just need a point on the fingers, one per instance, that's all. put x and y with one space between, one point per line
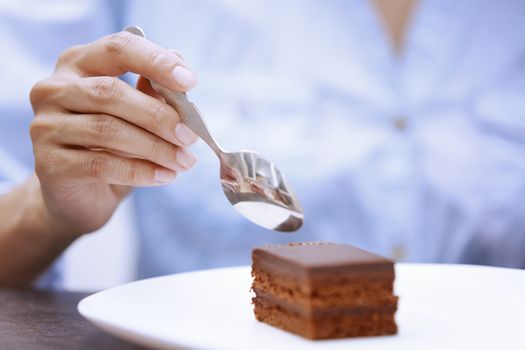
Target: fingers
125 52
105 132
105 167
92 125
114 134
107 95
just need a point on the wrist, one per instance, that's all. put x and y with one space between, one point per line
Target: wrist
29 239
37 216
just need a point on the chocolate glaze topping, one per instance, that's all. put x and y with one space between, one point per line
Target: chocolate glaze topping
316 256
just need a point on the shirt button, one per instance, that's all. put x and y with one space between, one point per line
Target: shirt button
400 123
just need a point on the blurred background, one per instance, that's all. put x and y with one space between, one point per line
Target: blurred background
400 124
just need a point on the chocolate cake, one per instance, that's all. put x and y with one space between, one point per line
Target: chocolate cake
324 290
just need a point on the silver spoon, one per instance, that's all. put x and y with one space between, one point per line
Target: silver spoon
252 184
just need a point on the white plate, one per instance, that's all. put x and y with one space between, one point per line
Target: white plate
441 307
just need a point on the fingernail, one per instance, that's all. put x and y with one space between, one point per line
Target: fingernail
164 175
183 77
185 158
184 134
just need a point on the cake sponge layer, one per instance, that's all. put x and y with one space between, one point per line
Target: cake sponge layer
364 323
342 292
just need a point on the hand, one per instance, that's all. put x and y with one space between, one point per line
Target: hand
95 137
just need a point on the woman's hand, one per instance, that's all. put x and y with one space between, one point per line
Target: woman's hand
95 137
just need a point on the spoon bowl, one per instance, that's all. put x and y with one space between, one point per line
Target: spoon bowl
259 192
252 184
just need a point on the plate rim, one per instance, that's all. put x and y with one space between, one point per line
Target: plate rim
137 337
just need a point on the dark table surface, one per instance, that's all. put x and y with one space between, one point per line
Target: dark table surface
34 320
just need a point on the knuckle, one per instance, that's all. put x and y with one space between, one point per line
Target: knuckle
117 44
36 129
69 56
40 128
163 59
96 166
40 92
104 127
106 90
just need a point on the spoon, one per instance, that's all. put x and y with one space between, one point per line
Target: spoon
252 184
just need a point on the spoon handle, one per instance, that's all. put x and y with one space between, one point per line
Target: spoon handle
189 114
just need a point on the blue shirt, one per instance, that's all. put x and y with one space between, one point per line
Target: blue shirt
418 157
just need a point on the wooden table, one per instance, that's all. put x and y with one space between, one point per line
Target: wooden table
34 320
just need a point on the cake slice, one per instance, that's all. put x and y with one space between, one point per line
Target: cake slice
323 290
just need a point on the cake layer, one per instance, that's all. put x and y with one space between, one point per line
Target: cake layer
324 256
322 263
318 311
342 292
329 326
349 296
